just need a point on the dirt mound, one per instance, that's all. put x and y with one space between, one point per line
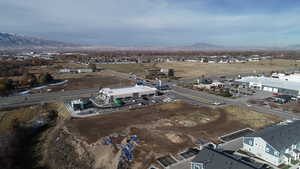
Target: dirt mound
64 152
174 138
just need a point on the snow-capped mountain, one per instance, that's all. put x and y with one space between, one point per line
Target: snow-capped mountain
11 40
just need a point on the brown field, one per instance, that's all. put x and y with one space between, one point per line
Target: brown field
291 107
169 128
92 80
138 69
193 70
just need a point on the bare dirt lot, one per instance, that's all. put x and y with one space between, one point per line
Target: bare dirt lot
168 128
194 69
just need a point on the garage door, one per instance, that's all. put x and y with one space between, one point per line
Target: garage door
268 89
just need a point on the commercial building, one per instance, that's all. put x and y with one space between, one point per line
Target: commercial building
110 95
278 144
84 70
290 78
79 104
274 85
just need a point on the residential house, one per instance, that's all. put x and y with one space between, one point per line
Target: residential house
278 144
214 159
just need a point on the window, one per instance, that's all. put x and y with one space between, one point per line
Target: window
249 141
267 149
196 165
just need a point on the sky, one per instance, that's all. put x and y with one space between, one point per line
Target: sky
155 22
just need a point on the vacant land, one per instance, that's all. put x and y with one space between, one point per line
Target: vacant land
194 70
92 80
168 128
26 114
138 69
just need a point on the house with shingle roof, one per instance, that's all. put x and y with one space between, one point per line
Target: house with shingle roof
277 144
209 158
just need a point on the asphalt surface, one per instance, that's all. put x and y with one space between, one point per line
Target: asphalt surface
31 99
209 100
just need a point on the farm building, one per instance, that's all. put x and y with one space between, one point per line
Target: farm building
272 85
278 144
109 95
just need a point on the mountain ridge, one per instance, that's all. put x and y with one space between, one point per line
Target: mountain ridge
12 40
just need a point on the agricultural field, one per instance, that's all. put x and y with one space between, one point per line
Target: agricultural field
194 69
166 128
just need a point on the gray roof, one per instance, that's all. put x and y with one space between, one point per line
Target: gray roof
213 159
271 82
282 135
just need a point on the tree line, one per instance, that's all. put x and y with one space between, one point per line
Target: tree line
28 80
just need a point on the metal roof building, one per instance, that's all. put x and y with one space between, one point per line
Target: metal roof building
272 85
127 92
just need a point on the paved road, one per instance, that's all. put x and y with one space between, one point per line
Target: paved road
209 99
25 100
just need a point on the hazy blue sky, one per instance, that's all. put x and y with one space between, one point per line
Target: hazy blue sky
155 22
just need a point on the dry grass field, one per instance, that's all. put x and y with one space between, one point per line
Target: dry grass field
26 114
91 80
136 68
194 69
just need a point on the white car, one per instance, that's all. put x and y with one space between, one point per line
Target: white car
218 103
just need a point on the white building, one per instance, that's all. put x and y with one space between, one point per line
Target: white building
274 85
290 78
64 70
79 104
109 95
84 70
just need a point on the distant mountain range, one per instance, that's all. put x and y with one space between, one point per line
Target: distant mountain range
10 40
203 46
